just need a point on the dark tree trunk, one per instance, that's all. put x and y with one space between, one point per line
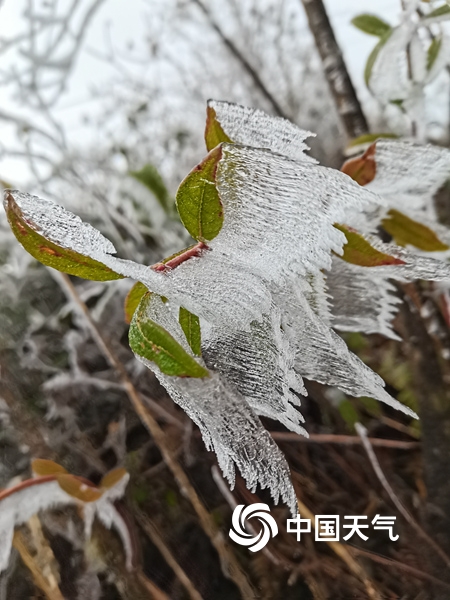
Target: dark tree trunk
344 94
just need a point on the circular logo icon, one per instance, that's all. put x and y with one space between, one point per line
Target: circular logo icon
255 541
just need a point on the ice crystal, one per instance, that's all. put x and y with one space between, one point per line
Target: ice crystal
253 127
363 299
228 424
61 226
408 174
260 364
270 288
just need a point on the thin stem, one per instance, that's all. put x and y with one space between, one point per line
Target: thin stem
346 440
259 84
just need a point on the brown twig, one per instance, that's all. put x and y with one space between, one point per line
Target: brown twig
362 432
345 555
151 530
230 566
346 440
383 560
48 587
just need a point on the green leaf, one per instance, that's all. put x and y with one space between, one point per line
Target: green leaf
374 55
371 24
440 11
150 177
358 251
369 138
154 343
190 324
198 200
370 404
433 51
214 134
132 300
348 412
50 254
407 231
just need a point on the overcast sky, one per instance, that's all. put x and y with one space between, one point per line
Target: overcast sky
124 21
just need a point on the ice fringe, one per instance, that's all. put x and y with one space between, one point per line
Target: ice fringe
266 307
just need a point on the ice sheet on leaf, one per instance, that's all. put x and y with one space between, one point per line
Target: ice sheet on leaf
389 77
253 127
279 214
416 266
408 174
61 226
322 356
228 425
363 299
218 287
214 286
259 364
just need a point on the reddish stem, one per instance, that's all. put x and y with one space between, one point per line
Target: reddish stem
196 250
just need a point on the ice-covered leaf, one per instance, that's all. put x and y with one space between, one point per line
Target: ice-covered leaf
150 340
57 238
214 134
370 138
19 503
321 355
132 300
150 177
359 251
190 324
371 24
231 429
198 201
440 11
253 127
112 478
362 169
226 421
406 231
389 76
374 55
